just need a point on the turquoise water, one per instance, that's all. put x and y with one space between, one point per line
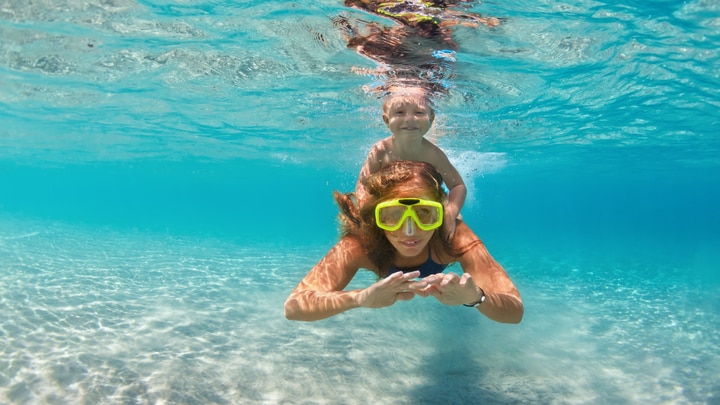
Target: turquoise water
166 172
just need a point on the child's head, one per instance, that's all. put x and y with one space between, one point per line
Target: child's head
408 113
416 96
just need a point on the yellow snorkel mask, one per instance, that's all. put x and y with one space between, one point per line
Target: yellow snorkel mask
427 214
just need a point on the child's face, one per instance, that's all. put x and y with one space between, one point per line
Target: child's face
408 116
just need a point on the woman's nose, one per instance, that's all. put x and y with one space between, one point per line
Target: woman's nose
409 227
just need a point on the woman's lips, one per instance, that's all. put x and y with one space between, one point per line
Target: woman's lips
410 243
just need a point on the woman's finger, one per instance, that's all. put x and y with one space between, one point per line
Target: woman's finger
405 295
448 279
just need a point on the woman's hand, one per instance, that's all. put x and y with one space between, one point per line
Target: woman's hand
397 286
451 289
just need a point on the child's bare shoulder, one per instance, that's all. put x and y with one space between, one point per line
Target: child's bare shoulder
378 156
382 146
432 151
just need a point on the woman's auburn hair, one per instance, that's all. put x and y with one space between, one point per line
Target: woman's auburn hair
398 179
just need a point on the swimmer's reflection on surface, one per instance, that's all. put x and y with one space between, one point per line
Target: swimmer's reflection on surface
416 51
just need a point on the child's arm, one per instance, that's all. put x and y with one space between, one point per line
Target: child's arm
458 192
373 163
456 199
455 183
360 192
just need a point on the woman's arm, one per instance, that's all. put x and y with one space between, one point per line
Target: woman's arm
502 299
320 294
502 302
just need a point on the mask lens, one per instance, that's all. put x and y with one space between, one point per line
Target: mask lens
426 215
390 216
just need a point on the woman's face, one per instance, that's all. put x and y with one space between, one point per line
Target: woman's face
409 240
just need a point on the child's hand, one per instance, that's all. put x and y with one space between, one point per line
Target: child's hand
448 230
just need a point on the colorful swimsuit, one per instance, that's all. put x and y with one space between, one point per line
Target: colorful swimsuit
410 11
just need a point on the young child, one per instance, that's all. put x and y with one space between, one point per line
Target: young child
408 115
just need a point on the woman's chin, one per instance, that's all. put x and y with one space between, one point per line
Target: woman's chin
410 248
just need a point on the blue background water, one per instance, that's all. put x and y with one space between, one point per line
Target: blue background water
166 174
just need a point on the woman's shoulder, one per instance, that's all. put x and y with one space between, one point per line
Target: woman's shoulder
463 241
463 233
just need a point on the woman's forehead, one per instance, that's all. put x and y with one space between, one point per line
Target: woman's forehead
414 191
